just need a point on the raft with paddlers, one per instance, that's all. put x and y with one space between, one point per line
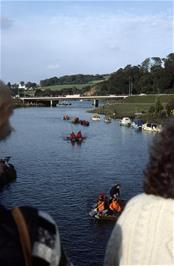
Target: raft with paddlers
76 137
76 120
84 123
108 208
66 117
107 216
7 171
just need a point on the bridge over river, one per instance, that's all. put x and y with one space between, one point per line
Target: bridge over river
53 101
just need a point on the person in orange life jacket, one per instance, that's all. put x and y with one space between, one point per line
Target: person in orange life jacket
72 136
27 236
79 135
102 203
114 205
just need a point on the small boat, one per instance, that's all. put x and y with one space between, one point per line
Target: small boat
107 119
66 117
76 120
84 123
137 124
7 172
106 216
78 137
96 117
152 127
125 121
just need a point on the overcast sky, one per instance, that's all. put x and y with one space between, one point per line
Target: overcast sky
41 39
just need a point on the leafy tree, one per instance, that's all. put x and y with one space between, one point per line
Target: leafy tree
146 65
158 106
31 85
151 109
170 107
9 85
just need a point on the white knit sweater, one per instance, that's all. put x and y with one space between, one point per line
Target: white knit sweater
144 233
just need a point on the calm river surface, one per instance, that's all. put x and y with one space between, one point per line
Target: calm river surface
65 179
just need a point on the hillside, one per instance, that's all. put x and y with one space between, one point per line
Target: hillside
72 80
153 76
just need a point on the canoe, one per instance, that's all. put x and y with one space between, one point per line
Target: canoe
105 217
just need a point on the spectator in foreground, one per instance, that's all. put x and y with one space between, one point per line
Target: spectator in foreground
144 233
28 237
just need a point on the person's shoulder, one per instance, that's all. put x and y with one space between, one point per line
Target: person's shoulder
47 245
136 200
145 200
132 208
144 204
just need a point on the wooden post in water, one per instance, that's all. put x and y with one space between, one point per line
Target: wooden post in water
96 102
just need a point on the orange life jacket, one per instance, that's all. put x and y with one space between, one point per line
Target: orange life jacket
100 206
115 206
72 135
79 135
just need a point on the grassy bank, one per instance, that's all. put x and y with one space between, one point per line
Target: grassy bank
119 110
132 105
70 86
150 99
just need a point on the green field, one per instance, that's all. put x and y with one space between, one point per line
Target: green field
124 109
148 98
68 86
132 105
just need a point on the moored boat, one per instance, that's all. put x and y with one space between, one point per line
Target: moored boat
107 119
137 124
152 127
96 117
125 121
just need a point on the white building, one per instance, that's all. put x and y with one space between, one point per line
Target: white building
20 86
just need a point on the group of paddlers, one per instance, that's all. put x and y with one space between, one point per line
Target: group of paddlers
76 120
76 136
109 206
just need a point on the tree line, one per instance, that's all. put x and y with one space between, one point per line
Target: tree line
154 75
70 79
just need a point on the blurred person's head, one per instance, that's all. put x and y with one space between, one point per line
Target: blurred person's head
159 174
6 110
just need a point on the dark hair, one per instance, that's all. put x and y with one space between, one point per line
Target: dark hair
159 174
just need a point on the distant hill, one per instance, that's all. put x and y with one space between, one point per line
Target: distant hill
73 84
72 79
154 75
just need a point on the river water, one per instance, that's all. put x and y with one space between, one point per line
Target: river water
65 179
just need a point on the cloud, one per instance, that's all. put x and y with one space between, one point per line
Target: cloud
5 23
